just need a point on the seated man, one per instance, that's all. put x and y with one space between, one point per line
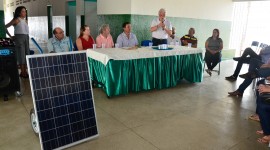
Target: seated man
60 42
127 39
263 56
190 38
256 69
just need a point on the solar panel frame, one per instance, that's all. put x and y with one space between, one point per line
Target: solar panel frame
40 93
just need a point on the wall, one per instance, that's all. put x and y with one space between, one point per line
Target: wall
203 19
247 0
199 9
113 7
115 22
91 18
37 7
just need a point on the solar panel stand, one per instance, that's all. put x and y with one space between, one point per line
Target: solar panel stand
34 122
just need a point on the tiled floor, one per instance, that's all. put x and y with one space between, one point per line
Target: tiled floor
189 116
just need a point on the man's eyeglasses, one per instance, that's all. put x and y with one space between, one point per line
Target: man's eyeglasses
60 32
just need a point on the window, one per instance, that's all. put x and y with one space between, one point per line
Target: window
250 22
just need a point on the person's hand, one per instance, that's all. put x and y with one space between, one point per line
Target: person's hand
265 66
268 78
160 24
212 52
163 26
263 88
133 48
184 42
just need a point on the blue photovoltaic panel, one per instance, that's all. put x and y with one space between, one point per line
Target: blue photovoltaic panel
62 96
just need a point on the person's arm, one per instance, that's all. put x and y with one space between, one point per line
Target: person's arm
155 26
195 44
184 42
94 42
99 41
136 41
111 41
168 27
168 31
79 44
265 66
263 88
50 46
13 22
221 46
265 51
119 41
207 48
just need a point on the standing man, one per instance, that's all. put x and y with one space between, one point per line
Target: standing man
60 42
161 28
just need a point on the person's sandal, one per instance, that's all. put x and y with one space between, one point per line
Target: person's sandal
259 132
264 140
254 118
208 71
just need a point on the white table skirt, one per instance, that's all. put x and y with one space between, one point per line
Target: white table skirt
104 55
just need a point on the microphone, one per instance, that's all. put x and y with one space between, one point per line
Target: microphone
162 22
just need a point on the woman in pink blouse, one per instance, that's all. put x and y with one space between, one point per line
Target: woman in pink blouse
104 37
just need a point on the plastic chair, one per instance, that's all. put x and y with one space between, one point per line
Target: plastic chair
254 46
75 46
36 44
145 42
262 45
218 71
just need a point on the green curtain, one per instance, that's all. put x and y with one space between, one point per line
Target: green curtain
123 76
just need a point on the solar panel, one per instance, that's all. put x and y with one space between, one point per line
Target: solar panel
63 99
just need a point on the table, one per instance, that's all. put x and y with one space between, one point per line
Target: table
122 71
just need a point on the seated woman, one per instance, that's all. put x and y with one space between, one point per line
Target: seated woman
104 37
264 113
213 46
85 40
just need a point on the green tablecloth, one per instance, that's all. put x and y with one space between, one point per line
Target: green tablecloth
123 76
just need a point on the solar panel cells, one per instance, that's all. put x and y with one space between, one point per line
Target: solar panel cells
63 98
